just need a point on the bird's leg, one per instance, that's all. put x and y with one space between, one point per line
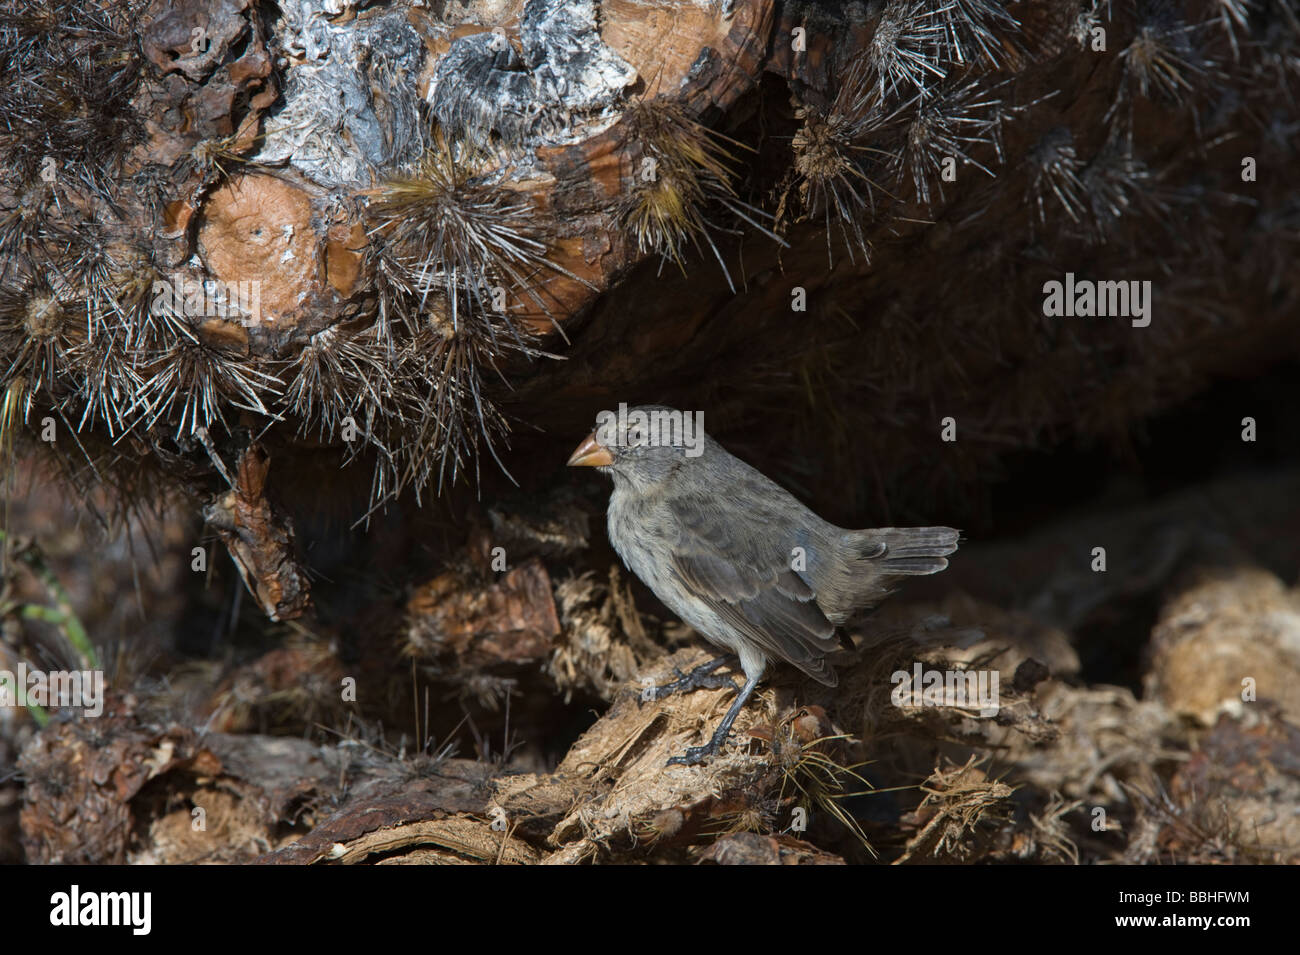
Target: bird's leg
697 754
700 678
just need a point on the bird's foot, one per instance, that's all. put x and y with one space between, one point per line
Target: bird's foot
702 677
696 754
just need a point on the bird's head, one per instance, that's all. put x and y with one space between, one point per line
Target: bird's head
642 446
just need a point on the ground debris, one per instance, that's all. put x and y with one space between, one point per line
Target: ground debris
749 848
961 805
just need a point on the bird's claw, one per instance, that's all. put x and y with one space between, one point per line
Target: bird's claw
687 683
700 678
694 755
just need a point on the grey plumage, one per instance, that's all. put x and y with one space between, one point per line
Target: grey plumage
738 558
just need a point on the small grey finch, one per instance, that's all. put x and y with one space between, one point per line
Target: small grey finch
736 556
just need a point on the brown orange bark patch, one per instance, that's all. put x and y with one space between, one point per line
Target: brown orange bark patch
344 257
258 229
661 40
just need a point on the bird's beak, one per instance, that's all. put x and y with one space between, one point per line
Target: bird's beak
591 454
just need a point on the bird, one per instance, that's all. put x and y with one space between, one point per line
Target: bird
738 557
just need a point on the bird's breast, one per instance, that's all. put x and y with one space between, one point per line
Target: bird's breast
641 533
631 526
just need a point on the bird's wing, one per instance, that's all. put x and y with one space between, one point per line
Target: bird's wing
743 572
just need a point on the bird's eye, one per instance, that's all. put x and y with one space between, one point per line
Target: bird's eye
636 436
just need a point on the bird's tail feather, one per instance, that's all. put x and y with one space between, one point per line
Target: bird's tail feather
909 550
868 560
